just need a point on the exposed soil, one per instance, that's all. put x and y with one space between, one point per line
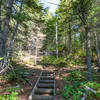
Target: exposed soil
34 73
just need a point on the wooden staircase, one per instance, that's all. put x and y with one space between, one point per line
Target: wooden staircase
44 88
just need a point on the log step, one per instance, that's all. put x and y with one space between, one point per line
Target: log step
46 72
40 97
43 91
48 75
44 88
46 78
40 85
46 81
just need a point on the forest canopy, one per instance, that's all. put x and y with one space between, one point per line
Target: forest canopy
68 39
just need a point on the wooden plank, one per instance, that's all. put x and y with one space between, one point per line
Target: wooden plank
40 85
47 72
46 81
44 88
35 87
39 97
46 78
44 91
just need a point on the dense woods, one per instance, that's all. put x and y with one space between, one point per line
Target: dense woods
67 42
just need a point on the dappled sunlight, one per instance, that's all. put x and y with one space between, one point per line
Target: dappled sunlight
48 45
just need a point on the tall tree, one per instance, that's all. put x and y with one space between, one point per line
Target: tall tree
97 49
6 27
0 29
70 39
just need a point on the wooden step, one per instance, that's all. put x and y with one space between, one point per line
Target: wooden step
40 85
48 72
41 97
44 88
46 78
43 91
46 81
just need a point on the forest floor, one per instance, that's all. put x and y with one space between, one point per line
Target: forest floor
34 72
59 74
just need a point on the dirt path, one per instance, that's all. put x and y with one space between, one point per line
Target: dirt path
60 73
35 72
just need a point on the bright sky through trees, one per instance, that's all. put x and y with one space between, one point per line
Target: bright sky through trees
49 3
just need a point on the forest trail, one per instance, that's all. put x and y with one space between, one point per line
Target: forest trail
36 71
66 42
44 88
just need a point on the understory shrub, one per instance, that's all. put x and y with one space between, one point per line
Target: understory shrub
16 76
11 93
51 60
76 86
72 60
48 59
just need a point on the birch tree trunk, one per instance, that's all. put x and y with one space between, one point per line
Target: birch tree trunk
56 41
36 52
12 40
65 43
97 49
6 26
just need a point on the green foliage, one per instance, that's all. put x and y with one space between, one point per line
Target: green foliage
51 60
93 85
71 60
81 53
16 76
60 62
11 93
1 58
73 91
48 59
78 75
76 85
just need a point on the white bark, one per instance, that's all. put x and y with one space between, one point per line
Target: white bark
12 41
90 89
36 52
97 49
56 40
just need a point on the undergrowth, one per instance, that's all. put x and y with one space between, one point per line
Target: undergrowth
75 86
69 60
16 76
10 93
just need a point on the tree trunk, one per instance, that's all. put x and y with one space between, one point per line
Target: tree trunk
0 15
88 54
56 41
0 32
97 49
74 43
70 39
65 44
6 26
36 52
12 40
